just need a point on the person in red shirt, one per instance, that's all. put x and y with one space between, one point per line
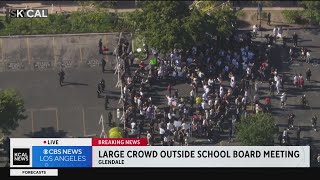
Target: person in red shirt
301 82
268 103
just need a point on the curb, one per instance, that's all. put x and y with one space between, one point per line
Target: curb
55 35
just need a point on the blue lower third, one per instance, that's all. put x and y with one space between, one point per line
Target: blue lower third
62 156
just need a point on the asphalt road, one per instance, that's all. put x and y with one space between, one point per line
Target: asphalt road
74 110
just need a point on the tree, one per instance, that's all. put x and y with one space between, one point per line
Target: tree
224 19
312 10
198 24
115 133
11 110
161 23
256 130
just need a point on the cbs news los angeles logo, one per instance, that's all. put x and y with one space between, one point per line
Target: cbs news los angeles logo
28 13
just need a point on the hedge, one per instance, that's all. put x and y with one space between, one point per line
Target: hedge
294 16
77 22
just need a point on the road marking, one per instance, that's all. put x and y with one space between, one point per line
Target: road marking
32 125
43 109
57 118
1 47
83 123
28 47
54 52
81 59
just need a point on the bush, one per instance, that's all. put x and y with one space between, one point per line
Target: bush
240 14
77 22
293 16
256 130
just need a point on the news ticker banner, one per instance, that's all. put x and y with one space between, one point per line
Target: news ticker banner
109 152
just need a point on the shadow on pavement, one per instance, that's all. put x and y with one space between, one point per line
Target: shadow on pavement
74 83
48 132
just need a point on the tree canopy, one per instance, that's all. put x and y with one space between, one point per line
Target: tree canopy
256 130
11 110
168 24
312 10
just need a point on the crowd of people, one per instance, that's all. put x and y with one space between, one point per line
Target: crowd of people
223 79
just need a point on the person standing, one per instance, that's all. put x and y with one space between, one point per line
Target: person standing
106 102
100 46
169 88
110 119
103 63
308 57
61 77
103 84
308 74
295 39
269 18
298 135
99 90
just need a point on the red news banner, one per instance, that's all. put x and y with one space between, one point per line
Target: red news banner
119 142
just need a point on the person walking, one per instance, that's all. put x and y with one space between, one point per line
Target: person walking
61 77
103 64
290 120
269 18
283 100
314 122
295 39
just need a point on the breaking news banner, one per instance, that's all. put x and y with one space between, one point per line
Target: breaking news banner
134 152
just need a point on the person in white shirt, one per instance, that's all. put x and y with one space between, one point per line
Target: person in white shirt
276 78
283 100
308 57
133 125
254 30
278 84
170 126
221 91
248 70
244 100
295 80
210 81
169 98
204 96
204 105
149 138
275 31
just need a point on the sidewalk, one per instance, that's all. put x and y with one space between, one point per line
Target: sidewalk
55 8
71 8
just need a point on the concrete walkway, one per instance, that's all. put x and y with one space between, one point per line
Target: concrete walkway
56 8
